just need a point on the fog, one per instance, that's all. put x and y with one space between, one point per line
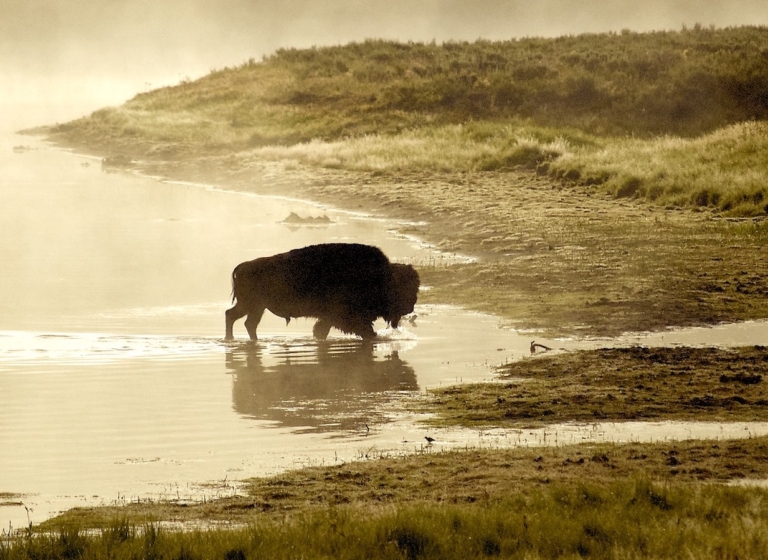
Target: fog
63 58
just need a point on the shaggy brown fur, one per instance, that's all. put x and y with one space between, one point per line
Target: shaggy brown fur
343 285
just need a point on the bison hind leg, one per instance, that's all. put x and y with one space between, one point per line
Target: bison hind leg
252 321
231 316
321 329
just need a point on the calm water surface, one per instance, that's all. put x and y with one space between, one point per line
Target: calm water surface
114 379
116 385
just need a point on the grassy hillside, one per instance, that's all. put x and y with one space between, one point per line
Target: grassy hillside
687 83
637 114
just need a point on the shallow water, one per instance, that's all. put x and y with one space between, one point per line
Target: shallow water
114 378
115 383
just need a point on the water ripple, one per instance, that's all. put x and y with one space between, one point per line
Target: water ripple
18 348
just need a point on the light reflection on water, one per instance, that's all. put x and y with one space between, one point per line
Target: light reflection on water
115 382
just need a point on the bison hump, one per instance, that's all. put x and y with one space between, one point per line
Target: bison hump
346 273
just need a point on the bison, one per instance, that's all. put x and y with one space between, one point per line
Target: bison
343 285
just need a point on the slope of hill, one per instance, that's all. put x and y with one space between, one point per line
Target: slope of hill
586 106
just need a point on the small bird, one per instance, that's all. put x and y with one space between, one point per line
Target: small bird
429 439
535 345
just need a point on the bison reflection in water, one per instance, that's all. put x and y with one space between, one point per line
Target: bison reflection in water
343 285
326 386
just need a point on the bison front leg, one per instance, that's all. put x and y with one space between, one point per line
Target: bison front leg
321 329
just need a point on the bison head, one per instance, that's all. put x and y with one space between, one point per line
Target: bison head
402 293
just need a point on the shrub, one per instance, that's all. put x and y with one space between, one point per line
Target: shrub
629 186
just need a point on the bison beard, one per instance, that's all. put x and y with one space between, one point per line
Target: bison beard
343 285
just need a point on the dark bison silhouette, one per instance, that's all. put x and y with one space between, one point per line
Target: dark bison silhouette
343 285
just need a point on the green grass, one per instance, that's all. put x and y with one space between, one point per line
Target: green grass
632 518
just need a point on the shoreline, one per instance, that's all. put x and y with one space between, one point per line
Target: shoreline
552 258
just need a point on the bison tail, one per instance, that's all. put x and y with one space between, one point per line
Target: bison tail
234 278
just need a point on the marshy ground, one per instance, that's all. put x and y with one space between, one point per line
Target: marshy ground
618 384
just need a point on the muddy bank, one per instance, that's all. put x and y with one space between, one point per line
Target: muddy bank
558 258
619 384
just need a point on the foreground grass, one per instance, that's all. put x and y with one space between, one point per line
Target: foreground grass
627 519
606 500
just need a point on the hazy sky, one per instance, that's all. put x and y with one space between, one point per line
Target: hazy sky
101 52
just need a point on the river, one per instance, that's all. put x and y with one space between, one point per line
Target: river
116 384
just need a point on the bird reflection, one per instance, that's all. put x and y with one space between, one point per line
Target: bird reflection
316 387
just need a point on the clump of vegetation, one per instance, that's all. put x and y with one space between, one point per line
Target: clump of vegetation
448 148
629 518
632 383
723 170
